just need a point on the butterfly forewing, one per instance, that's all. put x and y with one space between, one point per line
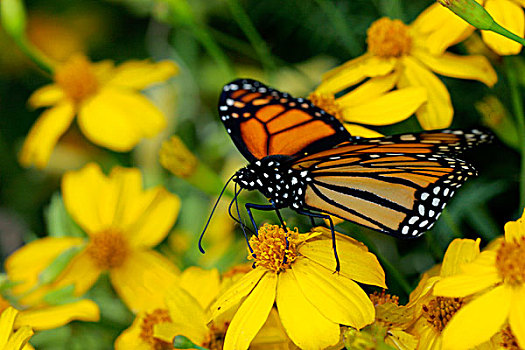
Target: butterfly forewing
262 121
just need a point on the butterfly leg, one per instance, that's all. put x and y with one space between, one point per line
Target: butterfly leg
250 206
332 228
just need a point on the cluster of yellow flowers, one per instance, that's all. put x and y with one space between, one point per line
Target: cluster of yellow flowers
289 296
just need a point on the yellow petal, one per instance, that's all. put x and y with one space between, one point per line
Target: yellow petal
356 263
236 292
82 272
187 315
19 339
272 335
459 252
143 280
511 17
119 119
514 230
440 28
358 130
44 134
387 109
477 276
56 316
338 298
473 67
401 340
46 96
131 339
303 323
7 320
252 314
437 112
203 285
141 74
517 315
354 71
478 321
374 87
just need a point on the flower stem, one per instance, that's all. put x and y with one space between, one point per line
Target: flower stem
34 54
517 105
496 28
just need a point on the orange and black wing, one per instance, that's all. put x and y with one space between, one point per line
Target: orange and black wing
399 188
262 121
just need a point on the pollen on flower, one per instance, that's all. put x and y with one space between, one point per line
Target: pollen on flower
388 38
509 261
326 102
77 78
440 310
383 298
216 336
151 319
108 249
508 340
177 158
271 249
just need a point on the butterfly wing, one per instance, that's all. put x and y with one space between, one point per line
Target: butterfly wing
392 186
262 121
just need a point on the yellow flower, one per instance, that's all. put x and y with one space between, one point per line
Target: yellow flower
398 57
431 313
111 112
296 271
450 29
10 340
123 222
496 282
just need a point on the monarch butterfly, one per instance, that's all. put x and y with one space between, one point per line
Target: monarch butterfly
303 158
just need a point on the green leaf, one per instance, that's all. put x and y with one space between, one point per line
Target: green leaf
58 221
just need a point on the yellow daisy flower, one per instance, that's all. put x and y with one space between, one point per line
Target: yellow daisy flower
111 111
296 271
496 282
451 29
13 340
123 222
398 57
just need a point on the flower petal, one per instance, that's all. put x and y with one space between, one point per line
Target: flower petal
437 112
141 74
144 279
517 315
478 321
440 28
59 315
119 119
358 130
44 134
7 320
354 71
236 292
131 339
203 285
338 298
459 252
252 314
303 323
477 276
511 17
356 262
81 272
19 339
473 67
46 96
387 109
374 87
515 230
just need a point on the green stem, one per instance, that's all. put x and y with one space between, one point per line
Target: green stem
496 28
35 55
517 105
257 42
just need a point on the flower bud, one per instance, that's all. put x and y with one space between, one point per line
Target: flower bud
470 11
13 17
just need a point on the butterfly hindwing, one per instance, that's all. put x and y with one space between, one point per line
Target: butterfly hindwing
262 121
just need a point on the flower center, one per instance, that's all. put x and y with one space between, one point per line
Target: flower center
508 340
440 310
388 38
146 329
4 304
108 249
383 298
510 262
326 102
77 78
273 248
216 337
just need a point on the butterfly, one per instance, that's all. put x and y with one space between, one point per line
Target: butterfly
301 157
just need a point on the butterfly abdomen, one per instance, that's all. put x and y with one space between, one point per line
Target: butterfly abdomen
276 180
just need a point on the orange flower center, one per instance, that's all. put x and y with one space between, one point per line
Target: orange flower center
108 249
440 310
146 329
215 337
273 248
388 38
77 78
510 262
4 304
383 298
326 102
508 340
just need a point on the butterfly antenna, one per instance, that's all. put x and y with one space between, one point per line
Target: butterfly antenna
242 225
212 211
